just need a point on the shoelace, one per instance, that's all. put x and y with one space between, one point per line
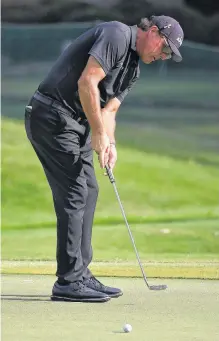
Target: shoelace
80 286
96 282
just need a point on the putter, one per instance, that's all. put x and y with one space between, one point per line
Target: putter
150 287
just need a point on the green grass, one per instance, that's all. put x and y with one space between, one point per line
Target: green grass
185 241
151 186
182 88
167 176
188 310
197 144
188 250
157 269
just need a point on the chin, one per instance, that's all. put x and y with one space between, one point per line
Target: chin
147 60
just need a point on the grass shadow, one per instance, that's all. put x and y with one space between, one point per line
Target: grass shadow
39 298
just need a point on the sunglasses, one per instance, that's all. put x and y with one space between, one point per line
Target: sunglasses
166 49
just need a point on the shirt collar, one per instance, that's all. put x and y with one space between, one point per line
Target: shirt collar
133 36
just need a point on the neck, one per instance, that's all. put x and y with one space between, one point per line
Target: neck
141 36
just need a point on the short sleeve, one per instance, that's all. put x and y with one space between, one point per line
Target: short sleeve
109 47
121 96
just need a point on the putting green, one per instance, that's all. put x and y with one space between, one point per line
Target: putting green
187 310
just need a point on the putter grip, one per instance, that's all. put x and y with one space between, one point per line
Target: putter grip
110 174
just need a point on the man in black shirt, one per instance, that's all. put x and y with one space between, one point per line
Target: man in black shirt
73 113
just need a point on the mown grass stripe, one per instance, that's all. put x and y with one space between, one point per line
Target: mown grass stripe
117 221
193 270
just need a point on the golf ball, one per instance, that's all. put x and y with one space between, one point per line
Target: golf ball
127 328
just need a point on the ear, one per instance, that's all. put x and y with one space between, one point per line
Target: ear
154 29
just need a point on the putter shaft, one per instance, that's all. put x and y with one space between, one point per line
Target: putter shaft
112 180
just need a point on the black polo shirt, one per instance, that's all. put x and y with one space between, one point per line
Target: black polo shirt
112 44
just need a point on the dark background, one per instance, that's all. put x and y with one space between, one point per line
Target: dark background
199 18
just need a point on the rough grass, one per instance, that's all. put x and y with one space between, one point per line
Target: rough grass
196 240
176 250
167 172
151 186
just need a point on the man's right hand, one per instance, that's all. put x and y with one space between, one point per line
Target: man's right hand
101 144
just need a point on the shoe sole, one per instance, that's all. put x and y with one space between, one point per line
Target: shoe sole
85 300
116 295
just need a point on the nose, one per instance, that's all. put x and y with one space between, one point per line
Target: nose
163 56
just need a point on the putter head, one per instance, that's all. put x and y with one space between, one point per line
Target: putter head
158 287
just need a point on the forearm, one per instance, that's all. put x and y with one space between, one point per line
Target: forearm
109 122
90 101
109 118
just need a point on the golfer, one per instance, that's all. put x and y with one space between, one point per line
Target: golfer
72 114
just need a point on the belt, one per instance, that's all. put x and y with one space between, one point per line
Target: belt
58 106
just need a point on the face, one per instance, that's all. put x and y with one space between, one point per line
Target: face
152 46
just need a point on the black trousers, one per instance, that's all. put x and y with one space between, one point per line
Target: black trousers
63 147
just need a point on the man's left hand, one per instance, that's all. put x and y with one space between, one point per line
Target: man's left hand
112 156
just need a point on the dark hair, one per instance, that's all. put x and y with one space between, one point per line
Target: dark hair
145 24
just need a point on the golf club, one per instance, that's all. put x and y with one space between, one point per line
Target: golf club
112 180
